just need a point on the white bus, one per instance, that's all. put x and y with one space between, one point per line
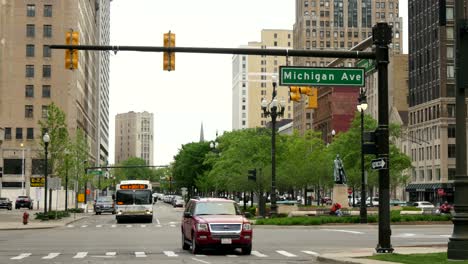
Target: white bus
133 200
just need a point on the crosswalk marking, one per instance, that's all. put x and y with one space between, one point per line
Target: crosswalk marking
129 225
158 225
344 231
172 225
70 225
231 256
113 225
22 256
170 253
143 225
111 253
84 226
310 252
258 254
99 226
285 253
140 254
80 255
51 256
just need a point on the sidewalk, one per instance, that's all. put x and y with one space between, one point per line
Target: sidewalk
358 255
12 220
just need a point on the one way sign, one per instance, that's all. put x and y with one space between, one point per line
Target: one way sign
378 164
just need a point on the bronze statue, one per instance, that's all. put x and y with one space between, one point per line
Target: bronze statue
338 171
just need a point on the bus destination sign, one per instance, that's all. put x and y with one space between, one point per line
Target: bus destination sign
133 186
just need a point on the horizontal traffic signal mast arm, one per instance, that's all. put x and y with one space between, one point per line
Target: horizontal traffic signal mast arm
242 51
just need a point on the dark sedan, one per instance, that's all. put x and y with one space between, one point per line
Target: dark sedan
104 204
5 203
24 201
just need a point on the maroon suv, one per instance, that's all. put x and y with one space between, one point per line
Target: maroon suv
215 223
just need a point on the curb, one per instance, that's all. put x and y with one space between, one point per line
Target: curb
336 260
54 225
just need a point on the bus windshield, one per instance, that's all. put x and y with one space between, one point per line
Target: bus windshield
128 197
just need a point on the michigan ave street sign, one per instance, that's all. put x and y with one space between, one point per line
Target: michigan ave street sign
321 76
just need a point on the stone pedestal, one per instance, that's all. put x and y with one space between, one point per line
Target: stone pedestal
340 195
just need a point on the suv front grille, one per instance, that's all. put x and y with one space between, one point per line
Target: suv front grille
228 228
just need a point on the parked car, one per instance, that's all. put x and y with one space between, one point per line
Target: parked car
396 202
215 223
178 202
375 201
5 203
24 201
423 204
104 204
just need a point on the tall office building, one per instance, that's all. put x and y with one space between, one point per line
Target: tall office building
252 80
33 76
134 136
336 25
432 99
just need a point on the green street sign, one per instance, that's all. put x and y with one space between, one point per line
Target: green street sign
321 76
95 172
368 65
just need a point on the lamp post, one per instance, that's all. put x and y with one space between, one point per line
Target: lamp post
22 169
361 107
274 109
46 140
67 153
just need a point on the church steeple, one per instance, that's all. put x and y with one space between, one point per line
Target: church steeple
202 136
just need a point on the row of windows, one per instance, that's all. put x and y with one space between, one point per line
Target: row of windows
31 31
29 111
15 166
46 71
423 115
46 51
31 10
29 91
19 133
276 35
425 135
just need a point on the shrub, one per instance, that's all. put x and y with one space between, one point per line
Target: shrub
52 215
76 210
410 208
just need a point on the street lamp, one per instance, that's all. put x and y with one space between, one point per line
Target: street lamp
22 169
361 107
46 140
67 156
274 109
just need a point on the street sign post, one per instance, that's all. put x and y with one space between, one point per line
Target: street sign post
321 76
379 164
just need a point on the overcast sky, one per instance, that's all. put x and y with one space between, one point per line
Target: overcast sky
199 90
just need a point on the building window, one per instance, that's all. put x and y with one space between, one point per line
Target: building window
449 33
46 91
30 71
450 71
29 50
243 122
451 174
421 175
46 51
31 10
19 133
451 110
449 13
28 111
438 174
451 131
48 10
45 110
30 31
46 71
29 91
451 151
30 133
7 132
47 31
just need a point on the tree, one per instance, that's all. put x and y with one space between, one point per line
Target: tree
133 172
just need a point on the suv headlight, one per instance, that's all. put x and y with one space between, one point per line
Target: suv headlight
247 226
202 227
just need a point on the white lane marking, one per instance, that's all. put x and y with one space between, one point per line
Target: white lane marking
129 225
200 255
202 261
310 252
170 253
143 225
231 256
158 225
258 254
69 225
22 256
445 235
344 231
51 256
99 226
80 255
84 226
140 254
285 253
172 225
405 235
157 221
111 253
113 225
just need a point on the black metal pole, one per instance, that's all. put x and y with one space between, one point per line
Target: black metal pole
273 209
85 186
46 145
363 206
458 242
382 37
66 184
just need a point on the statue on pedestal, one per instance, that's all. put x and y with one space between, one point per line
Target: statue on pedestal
338 171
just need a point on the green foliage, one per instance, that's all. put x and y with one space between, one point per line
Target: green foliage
133 172
434 258
189 164
52 215
410 208
76 210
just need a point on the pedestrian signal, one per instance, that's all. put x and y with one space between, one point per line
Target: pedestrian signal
71 55
169 57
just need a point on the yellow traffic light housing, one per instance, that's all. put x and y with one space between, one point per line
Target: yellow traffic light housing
169 57
313 94
295 93
71 55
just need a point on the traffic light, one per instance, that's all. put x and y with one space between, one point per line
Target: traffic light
252 175
295 93
71 55
169 57
312 93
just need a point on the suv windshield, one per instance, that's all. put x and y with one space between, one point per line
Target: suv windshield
104 199
216 208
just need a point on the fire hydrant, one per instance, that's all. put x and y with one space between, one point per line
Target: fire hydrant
25 218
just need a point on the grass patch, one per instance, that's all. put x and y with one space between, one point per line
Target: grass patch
433 258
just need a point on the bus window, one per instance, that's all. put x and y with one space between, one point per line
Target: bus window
124 197
143 197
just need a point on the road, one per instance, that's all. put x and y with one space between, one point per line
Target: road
99 239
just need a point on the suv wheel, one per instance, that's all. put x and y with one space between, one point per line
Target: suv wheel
185 246
195 248
247 250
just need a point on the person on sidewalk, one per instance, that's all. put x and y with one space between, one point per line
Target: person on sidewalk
445 208
336 209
